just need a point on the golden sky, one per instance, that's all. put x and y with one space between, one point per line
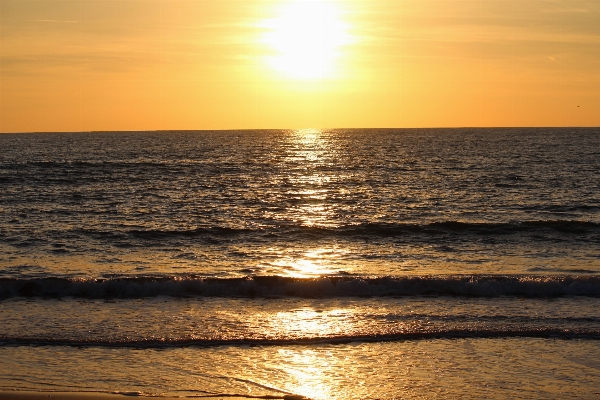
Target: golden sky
80 65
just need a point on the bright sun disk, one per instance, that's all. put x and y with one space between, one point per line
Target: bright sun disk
306 38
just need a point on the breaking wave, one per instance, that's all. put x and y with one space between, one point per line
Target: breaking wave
441 333
321 287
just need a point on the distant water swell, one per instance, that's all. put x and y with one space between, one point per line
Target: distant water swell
439 333
534 231
322 287
573 227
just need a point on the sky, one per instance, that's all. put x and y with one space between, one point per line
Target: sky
94 65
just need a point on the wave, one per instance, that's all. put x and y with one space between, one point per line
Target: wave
158 234
321 287
477 228
542 228
460 333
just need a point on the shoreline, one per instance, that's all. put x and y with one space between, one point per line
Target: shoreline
33 395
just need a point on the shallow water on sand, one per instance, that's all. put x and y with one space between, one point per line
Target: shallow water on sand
418 369
164 322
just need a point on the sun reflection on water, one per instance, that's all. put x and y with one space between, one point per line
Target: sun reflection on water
306 370
307 203
311 263
310 150
307 322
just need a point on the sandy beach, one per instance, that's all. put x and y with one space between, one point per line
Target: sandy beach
24 395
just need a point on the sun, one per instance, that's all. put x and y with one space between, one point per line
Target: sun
305 39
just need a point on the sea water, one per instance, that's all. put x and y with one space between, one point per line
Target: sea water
399 263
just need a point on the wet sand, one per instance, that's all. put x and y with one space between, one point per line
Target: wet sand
23 395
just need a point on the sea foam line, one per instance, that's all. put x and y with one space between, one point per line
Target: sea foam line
461 333
322 287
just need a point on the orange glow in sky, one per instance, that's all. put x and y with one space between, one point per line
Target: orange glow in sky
68 65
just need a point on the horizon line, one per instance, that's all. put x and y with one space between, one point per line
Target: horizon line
298 129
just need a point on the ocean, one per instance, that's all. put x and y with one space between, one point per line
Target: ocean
318 264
